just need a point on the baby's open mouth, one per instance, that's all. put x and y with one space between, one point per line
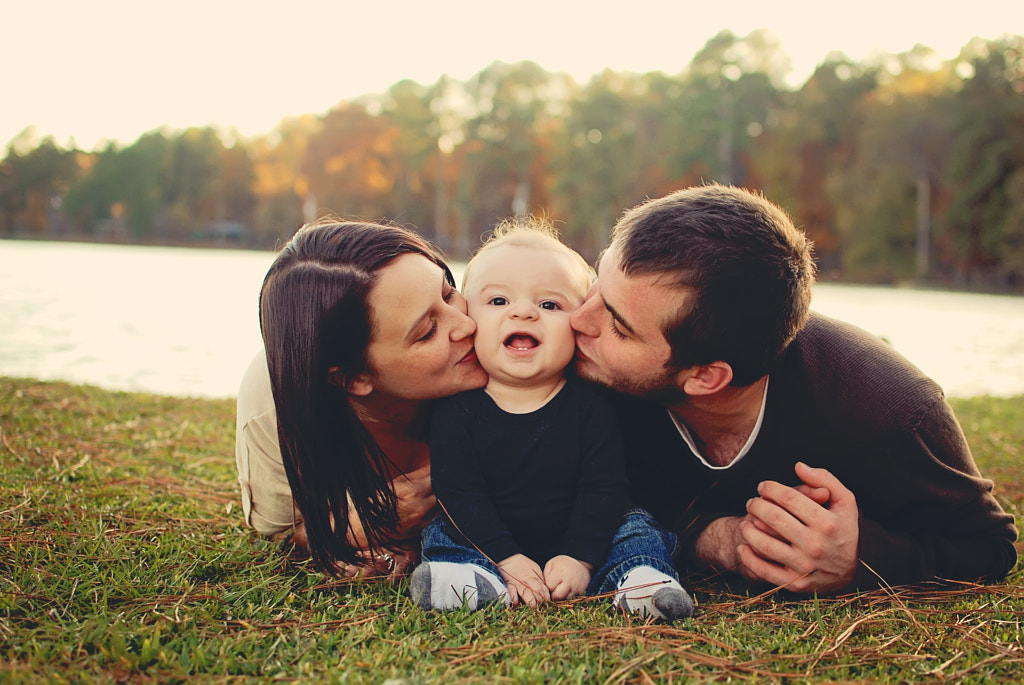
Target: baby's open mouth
521 341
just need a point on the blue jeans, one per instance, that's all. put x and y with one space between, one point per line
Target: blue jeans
639 541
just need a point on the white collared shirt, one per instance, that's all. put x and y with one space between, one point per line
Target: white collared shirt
685 432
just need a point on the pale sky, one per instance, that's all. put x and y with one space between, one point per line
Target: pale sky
114 69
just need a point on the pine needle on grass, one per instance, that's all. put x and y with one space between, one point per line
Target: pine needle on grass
124 558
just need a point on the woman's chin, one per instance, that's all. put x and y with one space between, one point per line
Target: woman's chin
473 378
480 380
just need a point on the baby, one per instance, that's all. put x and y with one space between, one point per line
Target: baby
529 471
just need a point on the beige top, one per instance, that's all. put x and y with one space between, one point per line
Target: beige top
266 496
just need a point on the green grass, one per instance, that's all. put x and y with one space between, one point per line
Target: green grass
123 558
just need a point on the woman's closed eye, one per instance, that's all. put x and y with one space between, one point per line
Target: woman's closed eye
430 333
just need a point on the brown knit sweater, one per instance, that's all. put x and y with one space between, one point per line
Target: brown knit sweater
842 399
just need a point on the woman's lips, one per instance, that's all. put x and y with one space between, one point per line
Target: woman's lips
469 357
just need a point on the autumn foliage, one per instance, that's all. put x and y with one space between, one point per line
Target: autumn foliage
903 168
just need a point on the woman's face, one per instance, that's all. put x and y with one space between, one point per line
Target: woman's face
422 342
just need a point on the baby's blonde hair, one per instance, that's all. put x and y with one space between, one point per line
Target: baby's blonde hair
530 231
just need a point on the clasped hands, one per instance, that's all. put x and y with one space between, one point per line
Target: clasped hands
416 505
802 538
562 577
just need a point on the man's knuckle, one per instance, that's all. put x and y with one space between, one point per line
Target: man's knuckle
802 584
815 549
773 517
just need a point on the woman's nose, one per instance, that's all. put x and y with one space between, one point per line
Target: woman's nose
463 326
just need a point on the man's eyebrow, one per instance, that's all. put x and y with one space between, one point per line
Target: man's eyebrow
622 322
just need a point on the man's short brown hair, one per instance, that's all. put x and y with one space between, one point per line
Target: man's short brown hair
747 270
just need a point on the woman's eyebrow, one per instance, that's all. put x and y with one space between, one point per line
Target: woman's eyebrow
417 326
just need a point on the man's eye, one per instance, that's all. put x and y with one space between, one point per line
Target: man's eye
549 305
498 301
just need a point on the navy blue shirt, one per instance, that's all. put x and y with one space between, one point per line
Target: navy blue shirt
542 484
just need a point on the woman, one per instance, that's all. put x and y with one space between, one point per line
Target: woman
362 327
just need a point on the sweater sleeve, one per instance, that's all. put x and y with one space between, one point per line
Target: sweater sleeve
459 484
947 524
266 494
601 495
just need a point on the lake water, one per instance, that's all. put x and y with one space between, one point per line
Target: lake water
183 321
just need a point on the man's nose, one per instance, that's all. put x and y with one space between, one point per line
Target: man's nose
582 320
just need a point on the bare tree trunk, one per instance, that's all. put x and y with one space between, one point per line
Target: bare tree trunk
725 142
441 206
521 200
923 225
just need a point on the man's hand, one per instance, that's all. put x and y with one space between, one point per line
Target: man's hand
717 546
525 580
566 577
798 538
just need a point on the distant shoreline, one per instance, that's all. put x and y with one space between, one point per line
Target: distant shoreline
96 240
823 277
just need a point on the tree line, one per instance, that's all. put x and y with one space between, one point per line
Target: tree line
900 167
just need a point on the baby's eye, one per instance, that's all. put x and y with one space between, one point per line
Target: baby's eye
498 301
548 304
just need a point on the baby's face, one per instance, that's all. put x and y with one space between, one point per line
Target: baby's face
521 299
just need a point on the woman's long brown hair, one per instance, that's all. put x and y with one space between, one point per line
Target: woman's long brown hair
314 316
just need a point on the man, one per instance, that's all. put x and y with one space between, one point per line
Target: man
788 447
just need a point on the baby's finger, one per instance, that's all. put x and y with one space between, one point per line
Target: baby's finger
561 591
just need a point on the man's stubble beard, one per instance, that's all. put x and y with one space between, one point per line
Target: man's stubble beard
660 389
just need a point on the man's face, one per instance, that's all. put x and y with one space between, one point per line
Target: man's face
620 339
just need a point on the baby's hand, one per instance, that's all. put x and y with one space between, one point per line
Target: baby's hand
566 577
524 579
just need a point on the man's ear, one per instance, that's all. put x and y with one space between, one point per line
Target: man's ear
361 385
707 379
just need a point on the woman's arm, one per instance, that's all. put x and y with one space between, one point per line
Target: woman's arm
416 506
